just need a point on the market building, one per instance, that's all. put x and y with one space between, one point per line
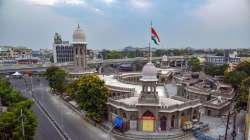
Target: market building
146 107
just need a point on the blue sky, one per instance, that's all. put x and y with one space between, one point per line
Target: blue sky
114 24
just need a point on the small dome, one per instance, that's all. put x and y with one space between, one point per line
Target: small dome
79 36
149 72
164 58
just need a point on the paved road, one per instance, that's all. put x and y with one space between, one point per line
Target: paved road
45 130
70 122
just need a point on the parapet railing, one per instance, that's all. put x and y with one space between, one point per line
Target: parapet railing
164 107
179 98
122 78
121 88
197 90
115 102
179 106
219 105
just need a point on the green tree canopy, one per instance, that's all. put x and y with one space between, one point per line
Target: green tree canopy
92 95
56 78
240 79
235 77
10 121
194 64
212 69
244 93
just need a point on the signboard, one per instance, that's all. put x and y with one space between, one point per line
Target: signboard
133 124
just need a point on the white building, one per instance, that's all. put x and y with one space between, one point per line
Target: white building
220 60
62 50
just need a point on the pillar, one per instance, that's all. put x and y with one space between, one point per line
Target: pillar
179 120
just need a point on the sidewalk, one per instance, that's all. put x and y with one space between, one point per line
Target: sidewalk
174 134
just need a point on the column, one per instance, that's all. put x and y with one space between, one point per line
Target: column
168 121
179 120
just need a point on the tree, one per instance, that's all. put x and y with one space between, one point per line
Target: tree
71 89
92 96
244 93
114 55
235 77
240 79
56 77
212 69
9 96
11 125
10 121
244 66
194 64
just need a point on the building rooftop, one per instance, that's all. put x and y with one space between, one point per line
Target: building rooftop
110 80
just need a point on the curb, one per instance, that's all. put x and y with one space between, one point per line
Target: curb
120 135
63 134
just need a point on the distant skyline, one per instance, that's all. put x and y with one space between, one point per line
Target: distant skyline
115 24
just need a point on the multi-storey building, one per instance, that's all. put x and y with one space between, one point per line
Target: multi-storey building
62 50
13 55
220 60
76 52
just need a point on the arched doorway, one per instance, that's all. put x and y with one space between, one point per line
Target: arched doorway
148 121
125 124
195 114
184 118
133 122
163 123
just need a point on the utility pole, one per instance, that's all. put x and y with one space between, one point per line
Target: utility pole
228 118
22 123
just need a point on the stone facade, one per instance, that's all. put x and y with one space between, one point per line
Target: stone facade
147 111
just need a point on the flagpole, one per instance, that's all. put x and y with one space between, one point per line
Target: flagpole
149 42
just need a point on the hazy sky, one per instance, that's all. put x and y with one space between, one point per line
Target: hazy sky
114 24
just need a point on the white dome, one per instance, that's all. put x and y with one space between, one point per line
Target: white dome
149 72
79 36
164 58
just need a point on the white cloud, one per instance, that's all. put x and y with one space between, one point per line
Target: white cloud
108 2
32 26
74 2
140 3
224 13
54 2
98 11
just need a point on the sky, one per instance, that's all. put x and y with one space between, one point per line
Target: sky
115 24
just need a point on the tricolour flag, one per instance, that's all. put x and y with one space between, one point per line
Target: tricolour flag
154 36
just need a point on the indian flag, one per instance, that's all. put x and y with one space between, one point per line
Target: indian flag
154 36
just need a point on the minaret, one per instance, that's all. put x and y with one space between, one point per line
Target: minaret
80 49
149 83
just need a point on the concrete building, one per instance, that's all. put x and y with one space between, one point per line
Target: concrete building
62 50
226 59
216 107
80 49
76 52
150 110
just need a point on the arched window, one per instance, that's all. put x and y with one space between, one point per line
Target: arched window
163 123
148 114
133 117
195 114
